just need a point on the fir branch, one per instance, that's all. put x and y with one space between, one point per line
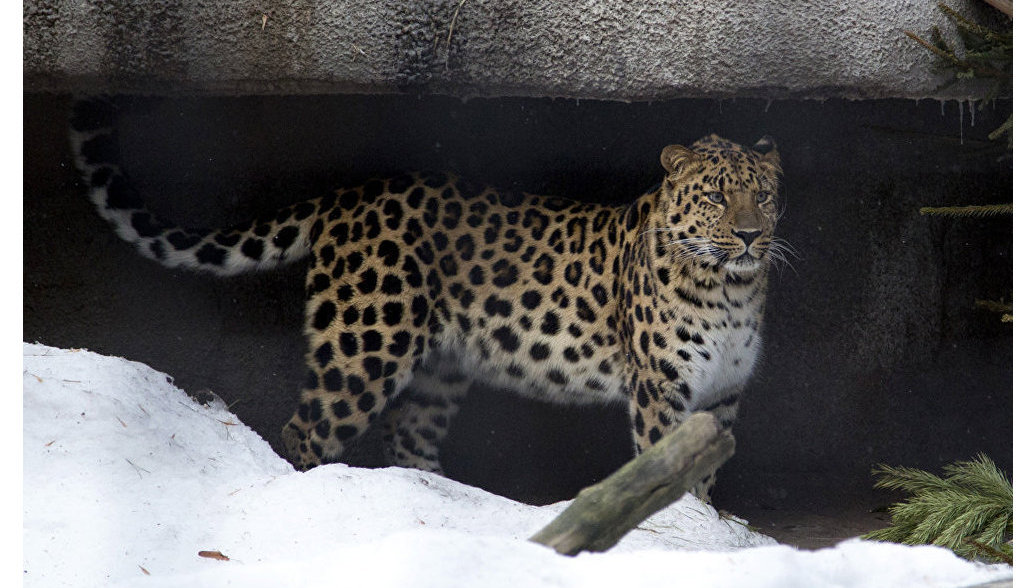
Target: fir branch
972 211
966 26
1005 555
973 504
944 53
987 53
1006 308
907 479
937 40
993 305
1007 127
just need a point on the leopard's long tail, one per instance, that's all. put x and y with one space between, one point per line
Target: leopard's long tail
261 244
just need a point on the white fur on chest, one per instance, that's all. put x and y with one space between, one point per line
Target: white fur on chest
732 354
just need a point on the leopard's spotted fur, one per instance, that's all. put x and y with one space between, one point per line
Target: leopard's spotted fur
419 285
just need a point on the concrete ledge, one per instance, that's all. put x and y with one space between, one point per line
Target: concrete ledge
582 49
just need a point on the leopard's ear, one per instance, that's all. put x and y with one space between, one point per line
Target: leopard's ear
767 147
676 159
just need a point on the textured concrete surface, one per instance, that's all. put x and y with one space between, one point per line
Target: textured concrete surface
873 349
583 49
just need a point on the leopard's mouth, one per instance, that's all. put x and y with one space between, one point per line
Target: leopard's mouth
745 262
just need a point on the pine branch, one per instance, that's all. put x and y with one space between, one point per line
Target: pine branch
907 479
987 53
972 503
994 306
993 554
945 54
1007 127
971 211
966 26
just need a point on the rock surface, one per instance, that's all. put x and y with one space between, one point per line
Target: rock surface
590 50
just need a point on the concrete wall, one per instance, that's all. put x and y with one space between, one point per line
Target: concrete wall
873 349
582 49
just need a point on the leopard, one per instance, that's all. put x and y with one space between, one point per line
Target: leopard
423 287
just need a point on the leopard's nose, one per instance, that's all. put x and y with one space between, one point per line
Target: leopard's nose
748 236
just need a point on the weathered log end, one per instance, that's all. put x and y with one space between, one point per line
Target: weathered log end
603 513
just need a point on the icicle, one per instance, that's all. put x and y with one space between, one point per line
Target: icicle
942 107
960 108
767 107
971 105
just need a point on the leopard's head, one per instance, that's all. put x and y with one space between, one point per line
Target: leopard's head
718 203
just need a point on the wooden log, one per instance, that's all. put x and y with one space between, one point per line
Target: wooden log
603 513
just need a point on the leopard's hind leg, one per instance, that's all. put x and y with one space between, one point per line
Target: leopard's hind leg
356 367
415 427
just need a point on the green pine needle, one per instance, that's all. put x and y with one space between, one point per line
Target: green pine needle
1007 127
973 211
985 54
970 510
975 30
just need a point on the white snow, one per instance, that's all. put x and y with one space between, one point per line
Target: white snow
126 479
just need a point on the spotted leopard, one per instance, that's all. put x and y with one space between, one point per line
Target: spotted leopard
422 284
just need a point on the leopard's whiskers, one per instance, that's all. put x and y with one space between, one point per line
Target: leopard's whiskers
696 247
645 232
778 253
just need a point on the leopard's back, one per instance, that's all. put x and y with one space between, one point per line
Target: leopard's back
422 284
511 290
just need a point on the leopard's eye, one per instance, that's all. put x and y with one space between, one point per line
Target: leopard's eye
763 196
716 197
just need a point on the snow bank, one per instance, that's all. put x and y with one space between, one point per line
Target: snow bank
127 479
